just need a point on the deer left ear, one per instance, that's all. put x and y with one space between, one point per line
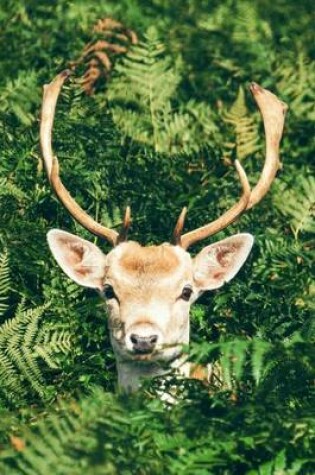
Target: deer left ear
220 262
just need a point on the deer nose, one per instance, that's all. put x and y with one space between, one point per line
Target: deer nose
143 344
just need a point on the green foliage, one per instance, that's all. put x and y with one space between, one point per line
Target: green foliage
138 435
175 113
298 204
260 363
245 129
143 104
24 345
296 80
19 96
7 188
4 282
19 368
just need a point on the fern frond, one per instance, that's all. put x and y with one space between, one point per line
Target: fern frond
233 355
144 106
146 83
234 358
16 352
50 447
126 120
249 27
295 81
204 117
22 348
53 344
110 39
5 283
259 350
19 96
7 188
298 204
244 126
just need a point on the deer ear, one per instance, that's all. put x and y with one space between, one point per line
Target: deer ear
81 260
220 262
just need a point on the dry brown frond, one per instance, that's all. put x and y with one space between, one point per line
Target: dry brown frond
110 39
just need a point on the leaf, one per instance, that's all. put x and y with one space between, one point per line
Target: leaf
21 96
259 350
298 203
144 104
244 127
5 282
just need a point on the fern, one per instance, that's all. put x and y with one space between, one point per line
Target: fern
296 78
234 357
5 283
53 343
50 448
143 104
270 369
258 353
285 366
273 260
110 39
249 27
22 348
18 367
278 465
245 33
146 82
103 435
298 204
244 127
259 418
232 361
21 96
7 188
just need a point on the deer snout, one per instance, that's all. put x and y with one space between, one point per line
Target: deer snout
143 344
143 338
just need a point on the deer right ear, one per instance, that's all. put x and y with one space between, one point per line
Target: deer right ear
81 260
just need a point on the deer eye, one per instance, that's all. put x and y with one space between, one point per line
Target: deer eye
109 292
186 293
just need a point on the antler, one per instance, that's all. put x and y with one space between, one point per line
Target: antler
50 96
273 114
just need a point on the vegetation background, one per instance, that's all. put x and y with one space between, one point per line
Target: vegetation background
167 118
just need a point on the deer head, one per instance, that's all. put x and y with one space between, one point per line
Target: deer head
149 290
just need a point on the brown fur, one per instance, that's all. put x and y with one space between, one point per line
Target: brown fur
199 372
155 259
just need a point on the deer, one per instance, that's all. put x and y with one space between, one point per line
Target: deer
149 290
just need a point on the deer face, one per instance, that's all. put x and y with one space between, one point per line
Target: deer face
149 290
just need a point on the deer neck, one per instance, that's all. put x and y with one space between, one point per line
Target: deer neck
132 373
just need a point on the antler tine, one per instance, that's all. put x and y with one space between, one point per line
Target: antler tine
125 227
227 218
50 96
177 234
273 114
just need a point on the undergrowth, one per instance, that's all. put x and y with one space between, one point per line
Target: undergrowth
160 133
